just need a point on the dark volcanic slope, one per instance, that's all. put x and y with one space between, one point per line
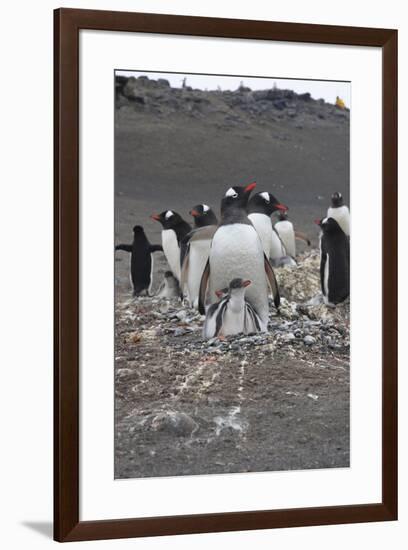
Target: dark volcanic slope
177 147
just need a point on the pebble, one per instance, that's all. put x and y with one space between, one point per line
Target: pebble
309 340
174 423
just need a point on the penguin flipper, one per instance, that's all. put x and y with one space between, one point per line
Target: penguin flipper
302 237
155 248
323 259
270 274
203 288
184 267
125 247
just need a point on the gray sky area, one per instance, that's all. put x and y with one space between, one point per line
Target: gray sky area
328 90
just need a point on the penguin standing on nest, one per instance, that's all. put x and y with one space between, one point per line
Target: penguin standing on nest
237 252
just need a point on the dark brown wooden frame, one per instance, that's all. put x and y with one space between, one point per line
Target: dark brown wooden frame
67 24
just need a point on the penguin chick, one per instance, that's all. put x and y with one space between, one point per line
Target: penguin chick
141 261
334 262
232 314
169 288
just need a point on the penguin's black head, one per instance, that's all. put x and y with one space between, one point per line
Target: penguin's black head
282 216
329 225
337 200
236 197
239 283
203 215
138 230
168 218
265 203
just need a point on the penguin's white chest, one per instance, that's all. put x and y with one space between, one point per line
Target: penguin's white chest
233 322
286 233
236 251
171 250
199 251
342 217
263 226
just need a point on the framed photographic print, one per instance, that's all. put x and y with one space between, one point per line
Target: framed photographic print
225 274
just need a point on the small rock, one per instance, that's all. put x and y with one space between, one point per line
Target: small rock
174 423
313 396
309 340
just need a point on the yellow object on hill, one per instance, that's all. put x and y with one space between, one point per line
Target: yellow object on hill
340 103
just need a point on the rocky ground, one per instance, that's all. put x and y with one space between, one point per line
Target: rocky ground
274 401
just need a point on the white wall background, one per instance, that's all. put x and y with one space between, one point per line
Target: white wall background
26 274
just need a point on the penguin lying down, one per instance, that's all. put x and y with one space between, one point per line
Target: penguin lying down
232 314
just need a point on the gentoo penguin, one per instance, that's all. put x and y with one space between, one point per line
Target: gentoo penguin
232 314
260 208
340 212
173 232
334 261
141 260
203 215
170 287
286 232
237 252
284 228
197 248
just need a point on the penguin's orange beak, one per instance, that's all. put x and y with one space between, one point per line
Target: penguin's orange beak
194 213
219 293
282 207
317 222
246 283
155 217
250 187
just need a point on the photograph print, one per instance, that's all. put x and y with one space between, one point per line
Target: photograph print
232 274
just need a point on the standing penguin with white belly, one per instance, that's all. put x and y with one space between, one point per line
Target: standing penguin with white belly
260 208
340 212
196 250
173 232
288 235
237 252
334 262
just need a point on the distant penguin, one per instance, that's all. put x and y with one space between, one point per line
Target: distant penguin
237 252
340 212
260 208
197 244
334 262
169 288
141 260
173 232
286 232
232 314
